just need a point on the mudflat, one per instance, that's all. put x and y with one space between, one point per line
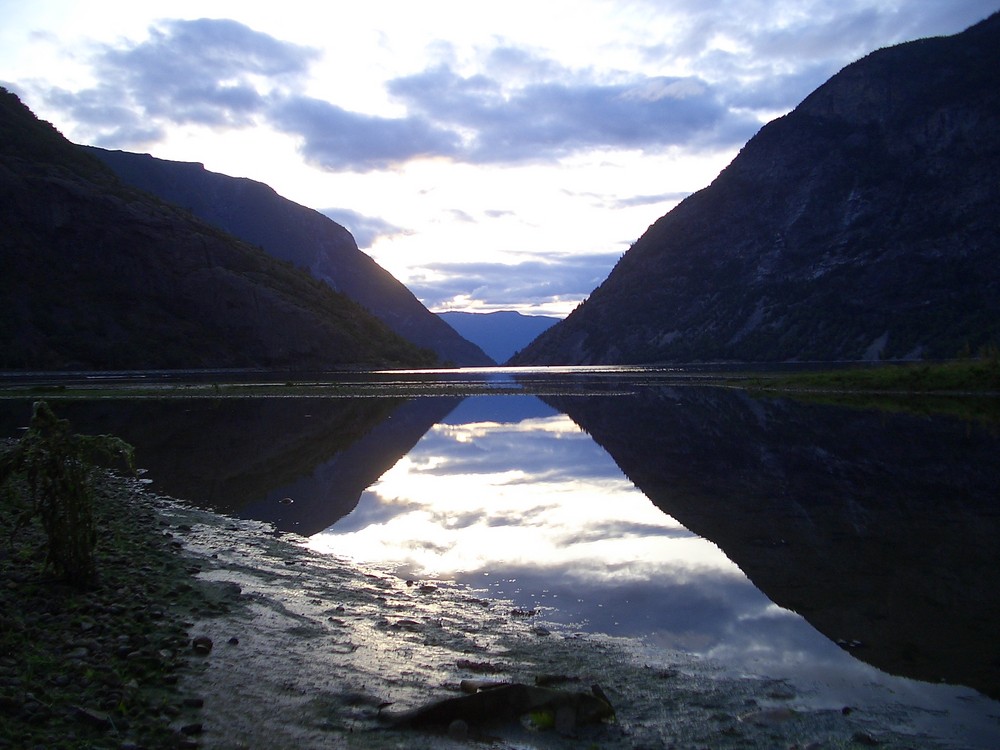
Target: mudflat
208 631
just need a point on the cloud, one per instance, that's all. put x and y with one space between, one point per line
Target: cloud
770 54
533 283
632 201
741 60
520 107
366 229
570 113
217 73
334 138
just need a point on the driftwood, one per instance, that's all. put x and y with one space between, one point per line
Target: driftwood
562 709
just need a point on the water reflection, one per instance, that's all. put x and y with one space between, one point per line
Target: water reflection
512 496
598 509
879 529
300 464
503 493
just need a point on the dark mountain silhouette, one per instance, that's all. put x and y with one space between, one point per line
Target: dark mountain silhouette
290 232
863 224
98 275
895 548
500 334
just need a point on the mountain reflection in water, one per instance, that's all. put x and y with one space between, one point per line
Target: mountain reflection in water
752 531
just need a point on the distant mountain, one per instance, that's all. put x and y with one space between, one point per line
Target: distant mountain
500 334
862 225
256 214
98 275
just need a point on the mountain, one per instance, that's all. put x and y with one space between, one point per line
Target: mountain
500 334
861 225
256 214
98 275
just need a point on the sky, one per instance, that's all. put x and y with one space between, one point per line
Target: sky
489 155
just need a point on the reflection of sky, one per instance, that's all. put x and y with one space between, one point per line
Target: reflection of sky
486 496
510 496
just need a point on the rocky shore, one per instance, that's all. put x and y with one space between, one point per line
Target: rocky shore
98 667
206 631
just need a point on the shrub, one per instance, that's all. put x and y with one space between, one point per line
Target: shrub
58 469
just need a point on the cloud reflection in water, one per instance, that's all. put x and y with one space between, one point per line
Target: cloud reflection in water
510 495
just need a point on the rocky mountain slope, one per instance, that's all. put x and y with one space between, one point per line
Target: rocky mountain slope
256 214
500 334
861 225
97 275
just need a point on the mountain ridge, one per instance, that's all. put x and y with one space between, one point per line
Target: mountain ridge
254 212
98 275
861 225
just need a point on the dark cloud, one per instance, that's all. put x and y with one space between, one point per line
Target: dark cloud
558 117
220 73
534 282
336 139
113 122
366 229
204 72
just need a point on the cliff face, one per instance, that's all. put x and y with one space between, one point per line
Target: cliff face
861 225
290 232
100 276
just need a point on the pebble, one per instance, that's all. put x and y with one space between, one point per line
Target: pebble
202 644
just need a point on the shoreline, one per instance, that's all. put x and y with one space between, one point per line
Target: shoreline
306 649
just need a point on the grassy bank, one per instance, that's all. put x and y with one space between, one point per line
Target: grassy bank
960 376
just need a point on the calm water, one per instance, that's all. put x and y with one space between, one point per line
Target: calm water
852 552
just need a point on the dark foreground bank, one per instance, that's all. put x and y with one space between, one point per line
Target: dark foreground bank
205 631
97 667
